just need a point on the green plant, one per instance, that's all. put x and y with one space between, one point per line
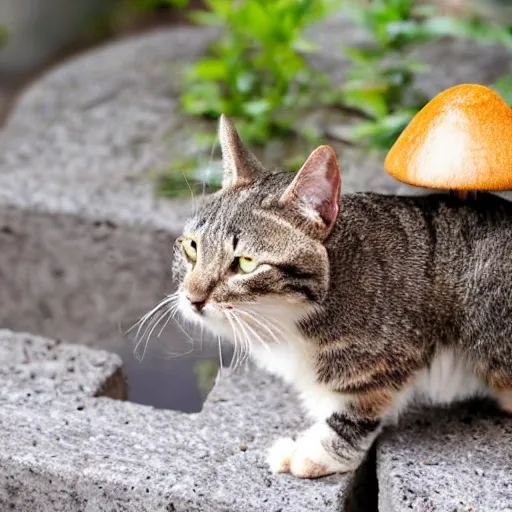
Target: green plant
381 78
257 73
206 372
150 5
503 86
3 35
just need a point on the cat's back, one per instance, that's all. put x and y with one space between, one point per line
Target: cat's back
437 256
442 220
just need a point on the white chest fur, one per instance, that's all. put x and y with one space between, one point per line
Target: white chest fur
294 363
448 379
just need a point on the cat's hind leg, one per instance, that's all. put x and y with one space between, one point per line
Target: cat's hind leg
501 384
505 400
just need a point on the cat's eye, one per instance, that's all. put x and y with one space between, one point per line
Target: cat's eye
190 247
247 265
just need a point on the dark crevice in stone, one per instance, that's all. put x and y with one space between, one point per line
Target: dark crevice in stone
362 491
116 386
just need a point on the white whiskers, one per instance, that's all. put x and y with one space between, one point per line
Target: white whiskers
165 310
254 326
251 329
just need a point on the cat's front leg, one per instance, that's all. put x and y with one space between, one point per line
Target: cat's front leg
336 445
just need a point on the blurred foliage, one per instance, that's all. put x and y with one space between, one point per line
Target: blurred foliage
206 373
381 79
503 87
3 35
151 5
257 73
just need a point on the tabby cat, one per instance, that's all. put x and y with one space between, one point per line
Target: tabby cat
362 302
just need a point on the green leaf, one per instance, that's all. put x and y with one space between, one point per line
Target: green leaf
180 4
245 81
362 55
3 35
206 18
257 107
372 102
305 46
203 99
383 132
210 69
503 87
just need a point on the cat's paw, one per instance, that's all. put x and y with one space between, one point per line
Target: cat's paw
304 458
280 455
311 460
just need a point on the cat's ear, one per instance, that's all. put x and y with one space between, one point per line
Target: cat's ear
316 187
241 167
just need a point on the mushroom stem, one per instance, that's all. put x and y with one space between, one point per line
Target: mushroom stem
465 194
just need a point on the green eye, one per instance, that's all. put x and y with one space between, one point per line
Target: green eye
247 265
190 248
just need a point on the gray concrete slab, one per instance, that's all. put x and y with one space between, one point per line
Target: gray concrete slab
456 460
63 450
38 370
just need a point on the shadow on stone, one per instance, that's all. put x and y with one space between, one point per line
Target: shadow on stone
115 387
361 493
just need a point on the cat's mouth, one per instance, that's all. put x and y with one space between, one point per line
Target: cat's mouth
244 322
209 314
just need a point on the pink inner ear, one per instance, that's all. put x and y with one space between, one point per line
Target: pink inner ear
317 185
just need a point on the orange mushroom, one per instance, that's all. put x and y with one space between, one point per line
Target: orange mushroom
461 141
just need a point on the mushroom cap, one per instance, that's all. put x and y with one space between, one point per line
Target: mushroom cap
461 140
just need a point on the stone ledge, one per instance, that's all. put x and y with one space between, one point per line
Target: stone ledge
34 369
457 460
63 450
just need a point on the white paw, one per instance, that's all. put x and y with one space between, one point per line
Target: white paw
306 457
280 454
311 460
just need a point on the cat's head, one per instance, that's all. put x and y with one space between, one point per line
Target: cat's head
252 259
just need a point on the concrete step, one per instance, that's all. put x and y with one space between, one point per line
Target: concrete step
66 447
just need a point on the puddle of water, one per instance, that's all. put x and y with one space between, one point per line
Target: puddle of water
174 372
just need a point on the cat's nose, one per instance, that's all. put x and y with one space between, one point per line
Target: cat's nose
198 304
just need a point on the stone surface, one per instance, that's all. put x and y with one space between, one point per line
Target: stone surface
63 450
38 370
75 192
456 461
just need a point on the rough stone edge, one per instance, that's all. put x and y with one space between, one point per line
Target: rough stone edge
37 469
